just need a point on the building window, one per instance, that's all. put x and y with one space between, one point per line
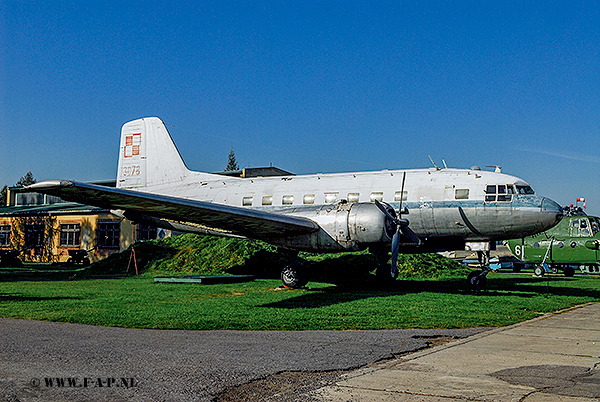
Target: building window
287 200
34 234
146 232
108 234
308 199
4 235
69 235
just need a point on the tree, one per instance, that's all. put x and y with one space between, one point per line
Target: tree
23 181
26 180
232 163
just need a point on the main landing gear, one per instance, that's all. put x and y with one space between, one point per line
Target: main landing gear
293 274
477 280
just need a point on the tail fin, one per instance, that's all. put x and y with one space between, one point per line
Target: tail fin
148 156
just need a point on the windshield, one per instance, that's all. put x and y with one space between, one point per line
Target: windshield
525 190
595 225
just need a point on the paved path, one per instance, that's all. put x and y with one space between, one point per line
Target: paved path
36 356
552 358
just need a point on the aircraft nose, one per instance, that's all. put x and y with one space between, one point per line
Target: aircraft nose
551 207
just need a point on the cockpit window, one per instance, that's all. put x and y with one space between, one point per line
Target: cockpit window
594 224
500 192
525 190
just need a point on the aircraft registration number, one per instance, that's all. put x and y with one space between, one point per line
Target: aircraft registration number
131 170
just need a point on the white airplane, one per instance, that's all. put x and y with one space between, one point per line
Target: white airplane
449 209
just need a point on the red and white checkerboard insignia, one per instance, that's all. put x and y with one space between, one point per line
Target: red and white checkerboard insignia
132 145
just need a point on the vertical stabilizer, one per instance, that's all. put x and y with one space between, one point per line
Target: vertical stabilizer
147 155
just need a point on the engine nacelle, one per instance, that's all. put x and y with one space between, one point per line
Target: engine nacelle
344 227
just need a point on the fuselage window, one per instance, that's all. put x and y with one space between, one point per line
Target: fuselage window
247 201
376 195
308 199
461 194
330 198
399 195
353 197
267 200
287 200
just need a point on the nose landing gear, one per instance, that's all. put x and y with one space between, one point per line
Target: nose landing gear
477 280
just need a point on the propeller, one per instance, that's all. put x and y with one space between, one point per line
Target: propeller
401 227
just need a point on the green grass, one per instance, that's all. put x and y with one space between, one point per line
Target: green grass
261 305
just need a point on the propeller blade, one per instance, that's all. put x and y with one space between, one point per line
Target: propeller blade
395 249
383 209
406 231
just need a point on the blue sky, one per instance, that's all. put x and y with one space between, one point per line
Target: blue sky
307 86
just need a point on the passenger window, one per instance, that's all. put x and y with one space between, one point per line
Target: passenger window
501 189
308 199
247 201
330 198
490 189
461 194
510 189
376 195
267 200
400 196
287 200
353 197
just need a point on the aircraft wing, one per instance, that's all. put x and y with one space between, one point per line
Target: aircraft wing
234 220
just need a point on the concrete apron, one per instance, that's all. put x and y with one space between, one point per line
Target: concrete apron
555 357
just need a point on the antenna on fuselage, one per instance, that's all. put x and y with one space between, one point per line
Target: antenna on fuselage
497 169
431 159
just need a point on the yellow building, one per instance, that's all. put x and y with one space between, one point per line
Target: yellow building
43 228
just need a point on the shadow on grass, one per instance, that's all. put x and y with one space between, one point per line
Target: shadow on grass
497 287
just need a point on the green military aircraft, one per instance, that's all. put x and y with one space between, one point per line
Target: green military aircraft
573 243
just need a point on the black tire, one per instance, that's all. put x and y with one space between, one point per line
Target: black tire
293 277
569 271
476 280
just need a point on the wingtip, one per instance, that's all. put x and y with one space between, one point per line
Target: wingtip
48 184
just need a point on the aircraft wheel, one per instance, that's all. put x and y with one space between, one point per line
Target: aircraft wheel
293 277
476 280
538 271
569 271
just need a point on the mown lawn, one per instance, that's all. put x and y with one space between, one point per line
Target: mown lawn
261 305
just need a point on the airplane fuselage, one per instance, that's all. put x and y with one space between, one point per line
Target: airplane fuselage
441 203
